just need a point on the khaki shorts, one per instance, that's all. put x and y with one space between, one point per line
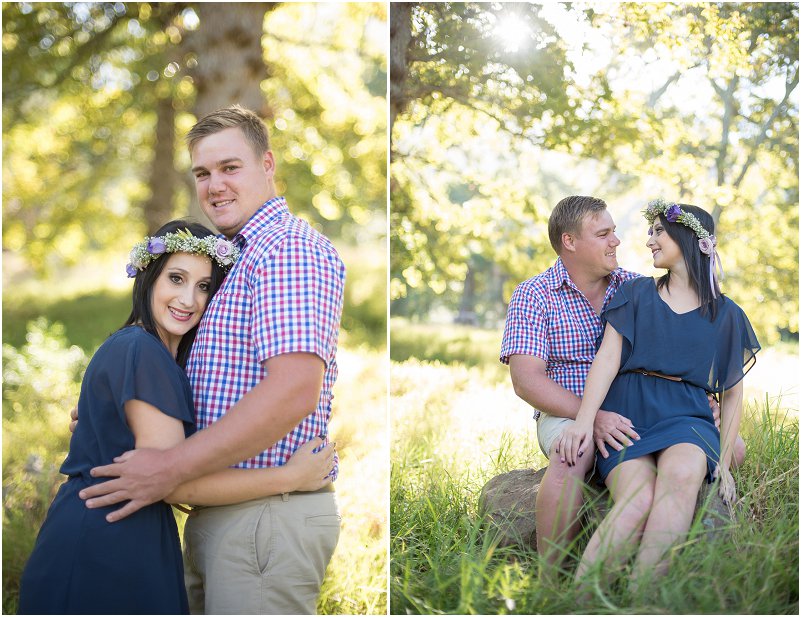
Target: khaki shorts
548 430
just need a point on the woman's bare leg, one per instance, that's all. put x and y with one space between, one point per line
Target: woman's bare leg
680 471
632 487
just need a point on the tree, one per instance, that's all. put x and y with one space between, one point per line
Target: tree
698 99
454 74
97 98
736 150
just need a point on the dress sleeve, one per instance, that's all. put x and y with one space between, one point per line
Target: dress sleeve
148 374
736 346
620 314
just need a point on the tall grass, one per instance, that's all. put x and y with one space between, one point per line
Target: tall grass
41 384
455 427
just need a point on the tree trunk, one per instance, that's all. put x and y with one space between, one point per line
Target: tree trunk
163 178
400 36
467 305
230 61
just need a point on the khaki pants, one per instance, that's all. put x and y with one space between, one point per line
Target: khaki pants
266 556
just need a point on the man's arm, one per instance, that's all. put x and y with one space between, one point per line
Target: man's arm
263 416
540 391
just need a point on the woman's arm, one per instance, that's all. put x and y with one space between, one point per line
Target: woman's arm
576 438
305 471
731 411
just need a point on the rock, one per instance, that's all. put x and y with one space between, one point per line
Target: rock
507 503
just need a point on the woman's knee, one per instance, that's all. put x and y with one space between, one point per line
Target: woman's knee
684 473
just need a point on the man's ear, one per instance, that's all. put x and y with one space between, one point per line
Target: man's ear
569 242
269 163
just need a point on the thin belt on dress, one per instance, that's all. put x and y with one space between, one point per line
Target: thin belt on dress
655 374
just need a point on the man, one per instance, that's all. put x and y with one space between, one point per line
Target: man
262 368
552 324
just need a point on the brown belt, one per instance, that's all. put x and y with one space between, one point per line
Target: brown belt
655 374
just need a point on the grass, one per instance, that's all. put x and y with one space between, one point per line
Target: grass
42 367
456 426
445 343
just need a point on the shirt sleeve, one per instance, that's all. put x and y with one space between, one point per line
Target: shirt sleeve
736 346
526 329
146 373
298 295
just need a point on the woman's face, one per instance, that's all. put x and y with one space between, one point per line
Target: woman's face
664 249
179 296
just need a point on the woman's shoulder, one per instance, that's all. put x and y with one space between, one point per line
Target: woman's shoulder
136 339
729 308
636 286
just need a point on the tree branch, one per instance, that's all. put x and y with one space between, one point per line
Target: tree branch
788 90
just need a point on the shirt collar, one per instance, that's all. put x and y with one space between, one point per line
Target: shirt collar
261 219
560 276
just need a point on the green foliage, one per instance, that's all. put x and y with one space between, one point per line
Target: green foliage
78 121
453 429
446 344
41 383
86 320
693 100
81 87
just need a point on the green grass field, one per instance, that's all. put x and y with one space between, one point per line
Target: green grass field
454 426
42 368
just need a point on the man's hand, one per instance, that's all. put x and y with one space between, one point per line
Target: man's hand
74 418
144 476
613 429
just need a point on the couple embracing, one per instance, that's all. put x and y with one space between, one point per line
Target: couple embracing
639 378
216 392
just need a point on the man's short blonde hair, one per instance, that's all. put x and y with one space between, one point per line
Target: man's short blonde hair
252 127
568 216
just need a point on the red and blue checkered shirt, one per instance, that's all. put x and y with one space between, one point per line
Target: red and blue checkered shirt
283 295
550 318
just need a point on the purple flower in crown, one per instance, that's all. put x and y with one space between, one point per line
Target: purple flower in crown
707 245
156 246
673 213
131 270
224 251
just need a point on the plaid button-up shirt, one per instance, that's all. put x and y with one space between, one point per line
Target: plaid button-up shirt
283 295
550 318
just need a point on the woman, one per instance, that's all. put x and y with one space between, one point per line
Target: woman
136 394
666 344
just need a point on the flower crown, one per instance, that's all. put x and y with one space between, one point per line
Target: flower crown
673 213
223 251
706 241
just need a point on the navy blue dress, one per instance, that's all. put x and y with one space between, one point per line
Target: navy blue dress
81 563
709 356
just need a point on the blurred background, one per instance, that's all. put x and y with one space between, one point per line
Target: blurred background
96 100
498 111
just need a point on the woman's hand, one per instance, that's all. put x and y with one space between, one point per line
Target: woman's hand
310 470
574 442
726 487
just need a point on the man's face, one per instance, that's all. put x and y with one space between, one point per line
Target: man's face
596 244
231 181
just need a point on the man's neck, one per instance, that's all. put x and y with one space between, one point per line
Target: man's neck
590 284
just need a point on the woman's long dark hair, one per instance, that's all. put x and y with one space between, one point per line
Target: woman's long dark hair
697 263
142 308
